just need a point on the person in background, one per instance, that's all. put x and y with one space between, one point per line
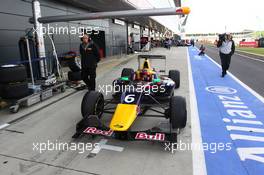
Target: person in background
192 42
226 49
169 43
202 49
166 43
89 58
215 42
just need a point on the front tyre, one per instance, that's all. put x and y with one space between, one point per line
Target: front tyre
178 112
92 104
175 76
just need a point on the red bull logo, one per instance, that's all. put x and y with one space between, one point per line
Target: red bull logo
93 130
145 136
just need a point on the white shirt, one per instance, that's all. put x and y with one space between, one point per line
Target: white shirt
226 47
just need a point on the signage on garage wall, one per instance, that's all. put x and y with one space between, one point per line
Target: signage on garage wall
119 22
136 26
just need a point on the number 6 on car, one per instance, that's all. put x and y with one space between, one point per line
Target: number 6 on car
130 98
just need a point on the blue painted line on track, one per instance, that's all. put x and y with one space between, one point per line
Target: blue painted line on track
231 118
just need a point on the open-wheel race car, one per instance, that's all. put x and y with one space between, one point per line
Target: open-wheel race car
141 93
148 79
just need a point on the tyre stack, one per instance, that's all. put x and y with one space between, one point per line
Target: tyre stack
13 82
75 70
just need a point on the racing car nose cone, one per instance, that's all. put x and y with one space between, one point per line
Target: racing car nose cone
123 117
118 126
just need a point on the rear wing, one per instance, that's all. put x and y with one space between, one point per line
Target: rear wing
153 57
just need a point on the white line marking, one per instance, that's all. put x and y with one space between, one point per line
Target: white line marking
113 148
4 126
199 167
255 59
102 145
98 148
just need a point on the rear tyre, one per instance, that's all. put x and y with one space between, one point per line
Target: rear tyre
128 72
14 90
12 73
92 104
74 65
74 76
175 76
177 112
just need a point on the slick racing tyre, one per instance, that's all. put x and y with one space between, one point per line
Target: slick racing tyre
92 104
12 73
127 72
177 112
175 76
14 90
74 65
74 76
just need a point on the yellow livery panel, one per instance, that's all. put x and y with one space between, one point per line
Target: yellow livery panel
124 116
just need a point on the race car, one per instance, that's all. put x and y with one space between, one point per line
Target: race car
128 104
148 79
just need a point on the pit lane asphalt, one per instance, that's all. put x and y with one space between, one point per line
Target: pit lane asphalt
56 123
249 71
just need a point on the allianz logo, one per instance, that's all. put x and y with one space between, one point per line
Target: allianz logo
221 90
240 118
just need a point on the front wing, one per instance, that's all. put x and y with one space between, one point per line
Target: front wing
93 126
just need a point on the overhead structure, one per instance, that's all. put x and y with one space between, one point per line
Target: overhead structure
114 14
117 5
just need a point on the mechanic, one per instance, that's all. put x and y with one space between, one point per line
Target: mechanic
89 58
226 49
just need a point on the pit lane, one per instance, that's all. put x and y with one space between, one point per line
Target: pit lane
213 102
56 123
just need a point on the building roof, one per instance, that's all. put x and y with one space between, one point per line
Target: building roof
115 5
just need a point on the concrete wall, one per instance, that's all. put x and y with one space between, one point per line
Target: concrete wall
14 15
116 39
